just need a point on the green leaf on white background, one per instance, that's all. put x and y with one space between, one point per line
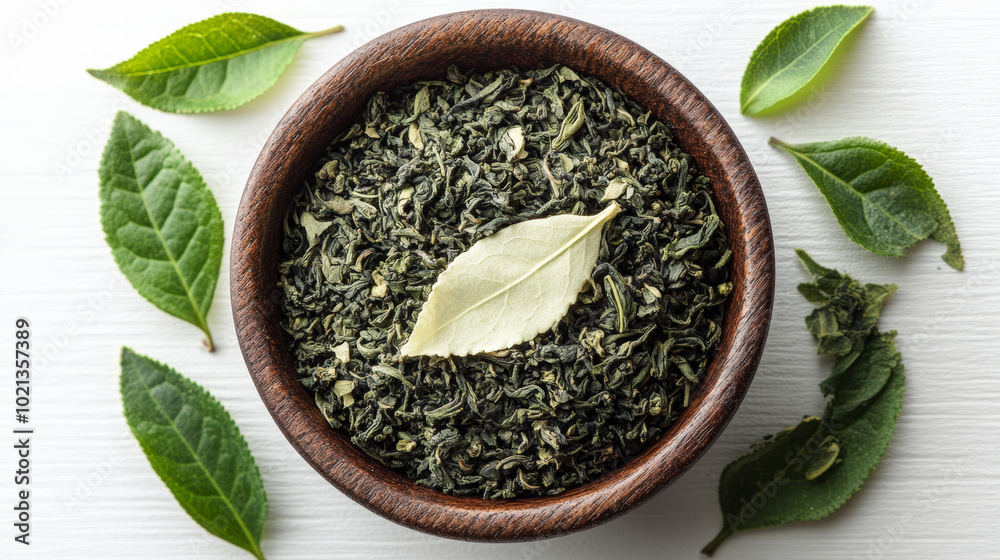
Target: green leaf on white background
195 447
509 287
161 221
769 486
212 65
808 471
884 200
792 54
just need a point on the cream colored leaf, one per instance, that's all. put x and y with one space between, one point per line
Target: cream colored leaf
405 196
341 388
509 287
313 227
567 163
512 143
415 137
614 190
343 352
422 101
381 288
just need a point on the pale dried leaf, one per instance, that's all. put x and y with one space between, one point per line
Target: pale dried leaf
615 189
509 287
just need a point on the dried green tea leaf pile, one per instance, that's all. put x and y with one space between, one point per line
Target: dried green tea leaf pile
429 170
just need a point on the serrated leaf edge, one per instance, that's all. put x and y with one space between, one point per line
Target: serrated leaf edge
937 203
105 74
203 321
152 455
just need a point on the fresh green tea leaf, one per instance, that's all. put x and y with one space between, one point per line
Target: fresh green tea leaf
807 471
865 377
884 200
195 447
769 486
792 54
509 287
846 312
161 221
215 64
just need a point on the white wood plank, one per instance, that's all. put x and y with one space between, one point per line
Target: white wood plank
921 75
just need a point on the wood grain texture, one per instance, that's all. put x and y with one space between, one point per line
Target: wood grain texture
496 39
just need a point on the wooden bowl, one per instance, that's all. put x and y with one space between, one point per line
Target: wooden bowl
496 39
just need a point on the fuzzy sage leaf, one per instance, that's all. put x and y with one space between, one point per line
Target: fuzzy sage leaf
509 287
196 449
793 53
215 64
161 221
807 471
884 200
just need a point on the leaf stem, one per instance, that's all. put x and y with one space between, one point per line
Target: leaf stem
334 29
724 534
775 142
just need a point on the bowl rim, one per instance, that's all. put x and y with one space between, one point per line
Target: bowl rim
656 86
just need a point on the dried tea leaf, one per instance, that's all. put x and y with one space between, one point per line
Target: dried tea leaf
509 286
413 134
422 101
616 188
343 352
313 227
215 64
571 124
512 143
794 52
520 421
161 221
196 449
884 200
865 377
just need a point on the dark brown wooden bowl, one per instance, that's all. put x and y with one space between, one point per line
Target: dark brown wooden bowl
496 39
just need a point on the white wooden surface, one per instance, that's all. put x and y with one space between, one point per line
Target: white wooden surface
921 75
